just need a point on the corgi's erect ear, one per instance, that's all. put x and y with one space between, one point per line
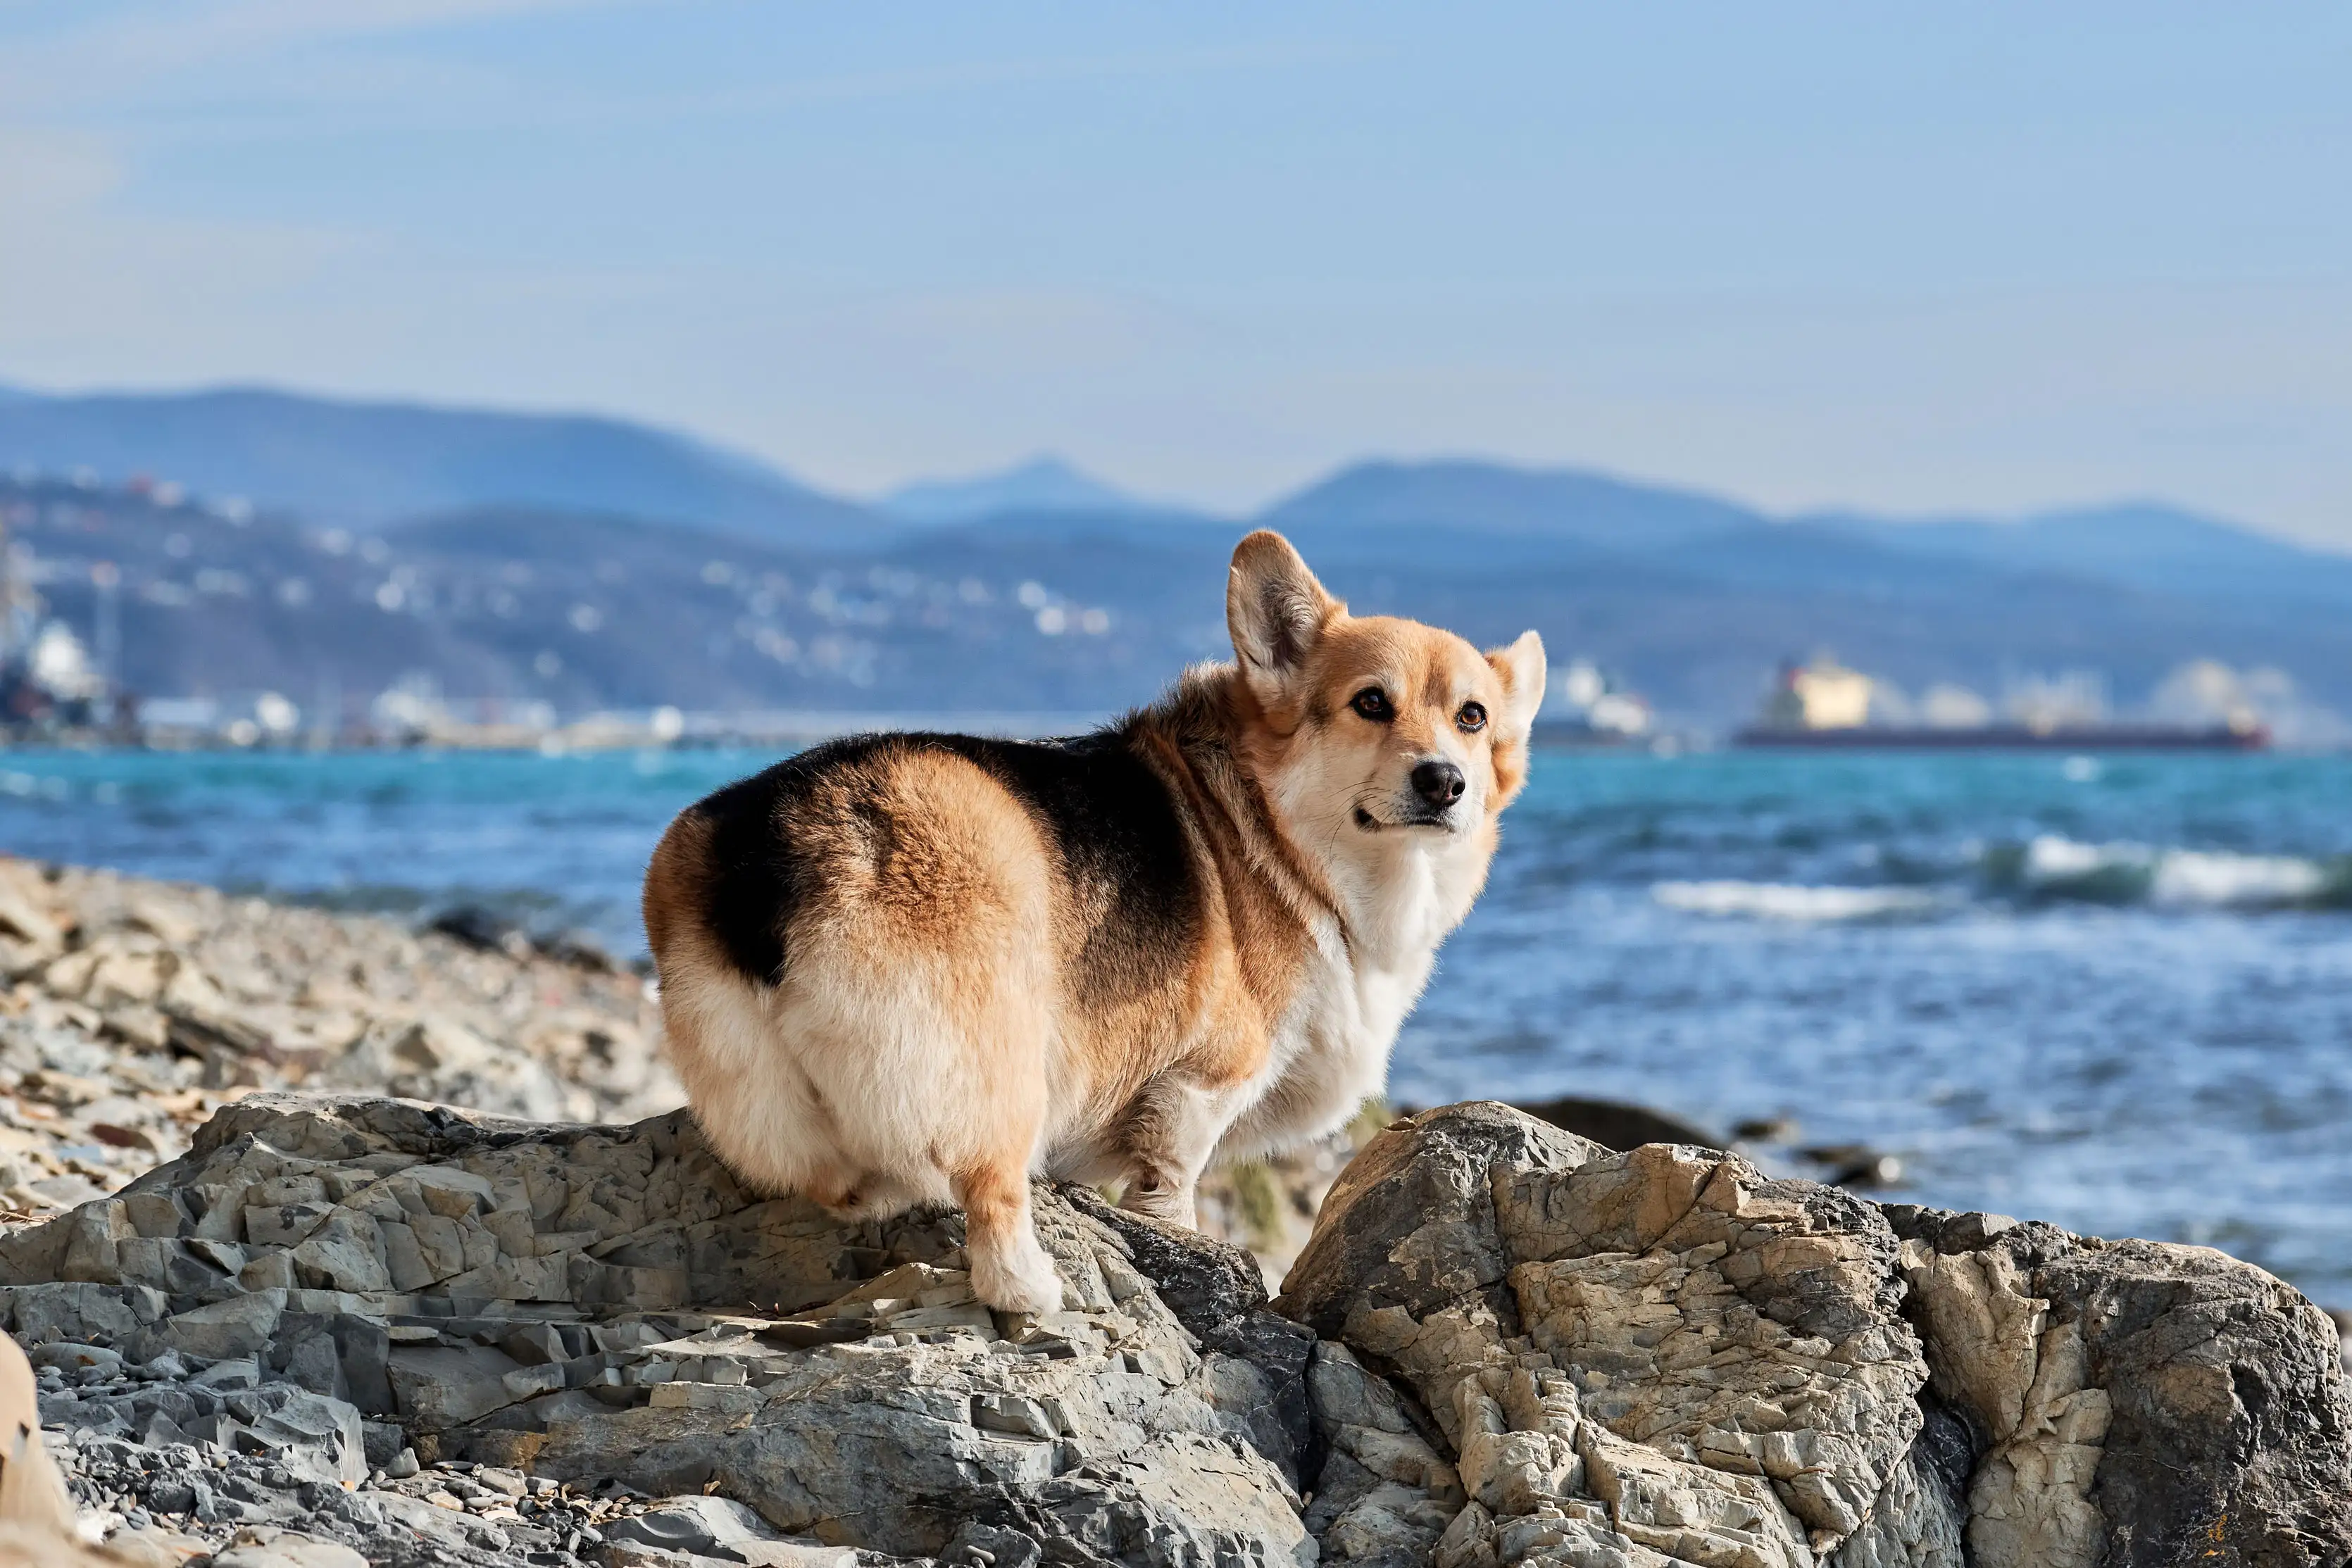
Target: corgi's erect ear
1277 612
1521 665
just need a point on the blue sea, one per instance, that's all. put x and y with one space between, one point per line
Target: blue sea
2111 992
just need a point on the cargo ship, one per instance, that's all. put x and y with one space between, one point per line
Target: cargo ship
2081 737
1823 707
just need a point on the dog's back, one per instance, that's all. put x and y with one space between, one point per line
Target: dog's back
909 967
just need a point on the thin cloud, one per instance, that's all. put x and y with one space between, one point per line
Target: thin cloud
107 56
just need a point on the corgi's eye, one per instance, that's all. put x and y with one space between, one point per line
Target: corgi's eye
1471 719
1374 703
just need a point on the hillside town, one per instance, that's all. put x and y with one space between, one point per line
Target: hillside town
136 612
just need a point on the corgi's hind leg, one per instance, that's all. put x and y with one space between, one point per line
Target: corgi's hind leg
1010 1268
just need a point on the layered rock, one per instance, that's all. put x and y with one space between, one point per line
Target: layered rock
606 1304
2135 1403
1664 1356
436 1336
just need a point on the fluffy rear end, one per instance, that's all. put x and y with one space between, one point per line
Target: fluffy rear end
898 1051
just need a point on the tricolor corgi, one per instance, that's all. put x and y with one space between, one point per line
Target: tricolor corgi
906 967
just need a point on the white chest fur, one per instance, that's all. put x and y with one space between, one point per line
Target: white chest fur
1331 1052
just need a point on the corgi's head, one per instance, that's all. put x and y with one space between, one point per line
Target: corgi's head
1373 733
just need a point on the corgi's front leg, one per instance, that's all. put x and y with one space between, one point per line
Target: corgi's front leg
1169 1134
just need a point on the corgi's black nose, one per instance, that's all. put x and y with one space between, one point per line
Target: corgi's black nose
1439 783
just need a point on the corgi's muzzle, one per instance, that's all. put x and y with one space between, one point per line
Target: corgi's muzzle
1437 786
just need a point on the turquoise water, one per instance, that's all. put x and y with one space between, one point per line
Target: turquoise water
2115 993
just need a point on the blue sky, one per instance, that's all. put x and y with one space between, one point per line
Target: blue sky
1988 258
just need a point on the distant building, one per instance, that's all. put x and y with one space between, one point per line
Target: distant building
1582 701
1824 694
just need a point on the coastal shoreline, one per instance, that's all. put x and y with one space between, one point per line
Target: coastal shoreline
282 1366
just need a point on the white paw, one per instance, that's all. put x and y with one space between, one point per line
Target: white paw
1018 1278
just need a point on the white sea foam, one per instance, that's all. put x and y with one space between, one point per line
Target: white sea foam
2170 878
1791 901
2194 877
2053 859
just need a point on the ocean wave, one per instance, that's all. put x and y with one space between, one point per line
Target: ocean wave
1796 902
2051 867
2047 870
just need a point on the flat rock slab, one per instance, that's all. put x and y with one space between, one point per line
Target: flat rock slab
284 1549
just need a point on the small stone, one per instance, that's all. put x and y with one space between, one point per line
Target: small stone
534 1345
70 1357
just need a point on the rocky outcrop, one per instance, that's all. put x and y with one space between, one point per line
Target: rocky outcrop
1663 1356
432 1336
2137 1402
605 1305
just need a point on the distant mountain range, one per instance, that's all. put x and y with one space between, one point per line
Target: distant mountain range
1401 500
376 463
2144 545
587 562
1042 485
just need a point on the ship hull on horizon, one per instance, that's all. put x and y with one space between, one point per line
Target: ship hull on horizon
2010 738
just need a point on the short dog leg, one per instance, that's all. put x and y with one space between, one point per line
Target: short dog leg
1171 1132
853 1198
1010 1270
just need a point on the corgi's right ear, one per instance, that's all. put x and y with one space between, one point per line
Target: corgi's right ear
1277 612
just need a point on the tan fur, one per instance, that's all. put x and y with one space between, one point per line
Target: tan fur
962 1005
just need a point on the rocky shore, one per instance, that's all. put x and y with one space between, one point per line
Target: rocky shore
302 1323
135 1008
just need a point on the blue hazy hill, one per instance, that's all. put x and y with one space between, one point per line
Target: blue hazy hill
1533 505
1044 485
374 463
2141 544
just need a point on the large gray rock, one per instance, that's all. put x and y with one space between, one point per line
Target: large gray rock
605 1303
1504 1344
1385 1494
1663 1356
2142 1404
1636 1358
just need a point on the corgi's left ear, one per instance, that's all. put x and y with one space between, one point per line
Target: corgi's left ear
1521 665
